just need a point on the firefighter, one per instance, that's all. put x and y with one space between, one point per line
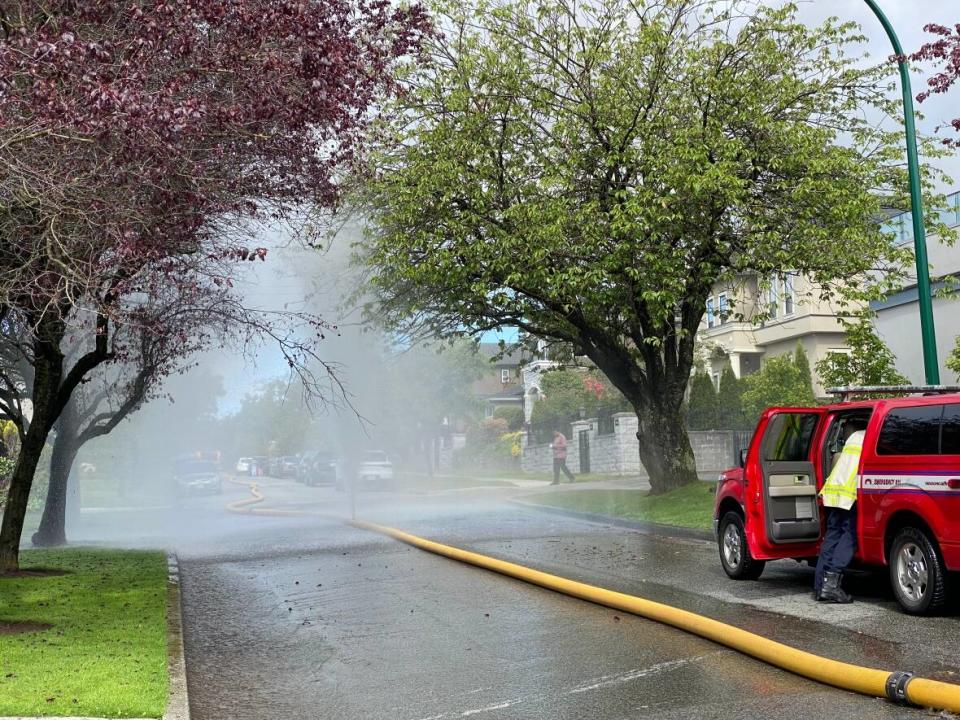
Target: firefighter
839 496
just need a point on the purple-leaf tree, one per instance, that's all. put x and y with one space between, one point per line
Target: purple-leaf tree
945 54
142 145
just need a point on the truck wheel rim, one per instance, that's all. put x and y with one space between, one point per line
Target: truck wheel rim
912 571
731 546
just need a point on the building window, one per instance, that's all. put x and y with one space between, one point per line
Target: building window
504 376
771 298
711 318
721 308
787 294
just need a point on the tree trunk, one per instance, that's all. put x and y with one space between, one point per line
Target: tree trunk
52 530
665 450
15 511
48 374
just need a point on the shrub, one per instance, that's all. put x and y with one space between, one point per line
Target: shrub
702 406
489 446
730 402
509 444
566 392
870 361
6 470
487 432
10 437
512 414
780 382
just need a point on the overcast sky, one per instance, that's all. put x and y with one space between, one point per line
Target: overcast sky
908 18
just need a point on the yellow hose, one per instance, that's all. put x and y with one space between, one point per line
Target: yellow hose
243 505
866 681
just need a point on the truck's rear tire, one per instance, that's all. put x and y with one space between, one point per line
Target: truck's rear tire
917 573
734 552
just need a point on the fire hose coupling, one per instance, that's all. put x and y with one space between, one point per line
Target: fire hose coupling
896 687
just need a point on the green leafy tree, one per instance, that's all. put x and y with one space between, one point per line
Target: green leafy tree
869 362
513 416
566 392
953 359
780 382
703 409
587 170
423 386
730 401
802 362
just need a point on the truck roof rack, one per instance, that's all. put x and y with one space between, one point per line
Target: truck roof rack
848 390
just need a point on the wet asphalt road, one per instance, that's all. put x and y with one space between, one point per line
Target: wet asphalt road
303 617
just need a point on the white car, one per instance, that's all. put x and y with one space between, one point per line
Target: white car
193 476
245 466
375 470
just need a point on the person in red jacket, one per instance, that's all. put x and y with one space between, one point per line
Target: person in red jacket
559 446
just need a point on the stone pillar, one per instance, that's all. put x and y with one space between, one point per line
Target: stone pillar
525 460
628 447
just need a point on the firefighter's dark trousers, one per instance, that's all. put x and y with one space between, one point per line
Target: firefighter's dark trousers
839 543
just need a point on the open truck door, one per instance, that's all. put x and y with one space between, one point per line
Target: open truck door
783 516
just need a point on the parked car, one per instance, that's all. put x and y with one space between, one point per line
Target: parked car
245 466
375 471
317 468
287 467
197 476
273 467
908 495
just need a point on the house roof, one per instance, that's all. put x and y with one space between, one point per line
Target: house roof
489 351
514 392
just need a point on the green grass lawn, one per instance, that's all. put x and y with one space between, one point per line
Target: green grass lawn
690 506
105 653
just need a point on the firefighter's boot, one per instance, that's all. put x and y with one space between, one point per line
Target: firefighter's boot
831 590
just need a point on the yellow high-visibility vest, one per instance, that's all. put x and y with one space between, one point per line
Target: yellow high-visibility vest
840 488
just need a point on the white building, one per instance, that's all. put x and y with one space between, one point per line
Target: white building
898 316
795 314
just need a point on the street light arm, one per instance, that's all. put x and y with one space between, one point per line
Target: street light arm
888 26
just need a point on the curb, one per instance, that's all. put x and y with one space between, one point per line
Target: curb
650 528
178 702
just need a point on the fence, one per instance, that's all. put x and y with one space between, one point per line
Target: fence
741 441
541 433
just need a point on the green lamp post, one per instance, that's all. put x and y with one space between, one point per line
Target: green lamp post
927 331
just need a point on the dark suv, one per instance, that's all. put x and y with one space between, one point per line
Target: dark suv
317 468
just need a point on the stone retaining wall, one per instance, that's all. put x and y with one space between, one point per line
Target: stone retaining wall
619 453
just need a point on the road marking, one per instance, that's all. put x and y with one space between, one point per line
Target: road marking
490 708
609 680
600 683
